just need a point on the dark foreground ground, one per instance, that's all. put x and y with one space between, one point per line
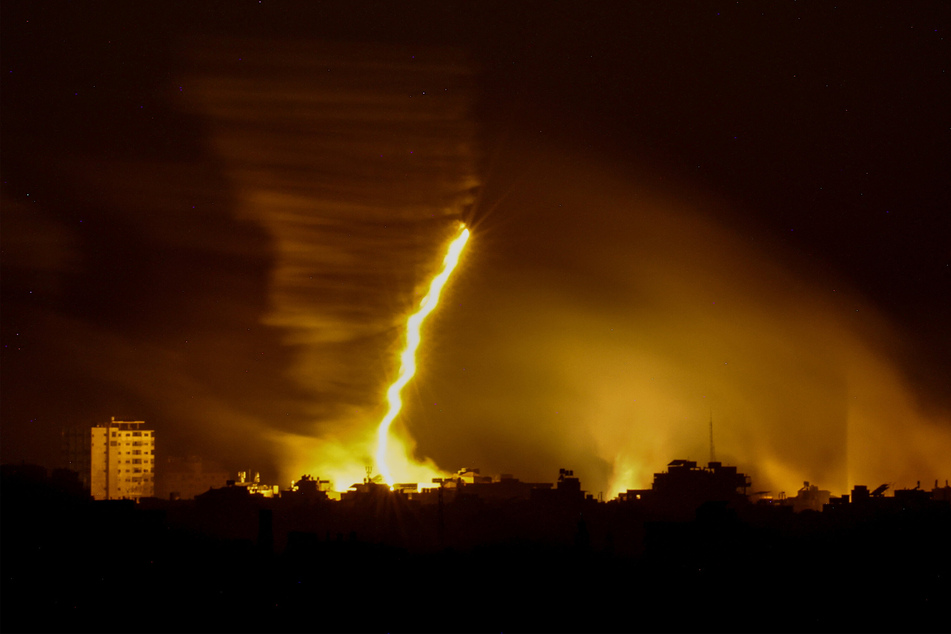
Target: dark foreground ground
71 565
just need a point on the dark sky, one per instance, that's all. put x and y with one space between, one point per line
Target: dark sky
217 219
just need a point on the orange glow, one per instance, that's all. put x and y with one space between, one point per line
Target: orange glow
408 356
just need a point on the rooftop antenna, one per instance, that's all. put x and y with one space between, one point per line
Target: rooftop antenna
713 454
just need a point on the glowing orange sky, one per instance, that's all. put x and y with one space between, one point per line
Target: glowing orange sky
223 230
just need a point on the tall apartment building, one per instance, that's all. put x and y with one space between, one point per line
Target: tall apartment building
121 460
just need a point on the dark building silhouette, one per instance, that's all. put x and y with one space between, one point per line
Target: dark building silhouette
567 490
687 554
307 489
678 492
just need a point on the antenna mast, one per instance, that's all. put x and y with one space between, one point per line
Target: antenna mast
713 454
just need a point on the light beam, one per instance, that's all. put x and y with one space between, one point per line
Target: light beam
408 356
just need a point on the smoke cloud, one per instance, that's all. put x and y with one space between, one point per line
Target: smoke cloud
601 322
239 276
358 162
597 322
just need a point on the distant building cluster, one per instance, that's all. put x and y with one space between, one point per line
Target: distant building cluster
675 495
116 460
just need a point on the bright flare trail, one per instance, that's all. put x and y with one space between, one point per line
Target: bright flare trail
408 356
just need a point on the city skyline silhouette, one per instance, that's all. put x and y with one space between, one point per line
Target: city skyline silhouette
706 275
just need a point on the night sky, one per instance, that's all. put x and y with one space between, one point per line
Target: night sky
217 216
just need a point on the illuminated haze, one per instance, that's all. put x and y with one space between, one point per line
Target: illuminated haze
228 244
596 324
358 162
612 359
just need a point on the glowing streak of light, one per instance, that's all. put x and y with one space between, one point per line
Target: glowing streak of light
408 356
